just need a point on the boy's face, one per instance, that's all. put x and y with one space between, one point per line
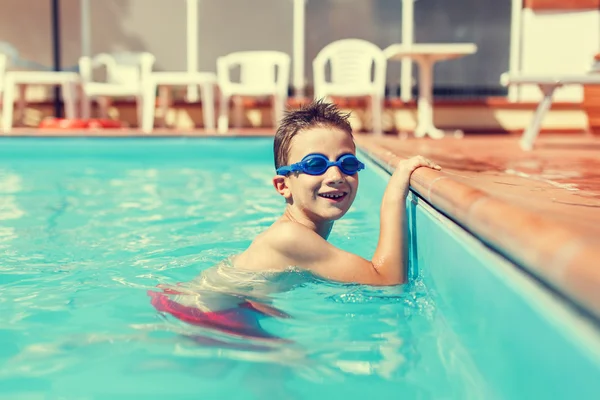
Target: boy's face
309 193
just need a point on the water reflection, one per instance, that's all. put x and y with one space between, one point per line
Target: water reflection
328 333
10 210
10 186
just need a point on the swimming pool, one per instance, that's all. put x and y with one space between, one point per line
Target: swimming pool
88 226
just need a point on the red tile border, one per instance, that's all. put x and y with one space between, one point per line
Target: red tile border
555 253
562 4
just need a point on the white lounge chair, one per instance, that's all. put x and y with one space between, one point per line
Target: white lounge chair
353 62
548 85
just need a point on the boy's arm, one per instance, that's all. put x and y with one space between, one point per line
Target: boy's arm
301 247
304 248
390 258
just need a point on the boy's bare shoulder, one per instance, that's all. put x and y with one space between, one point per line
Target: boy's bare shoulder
272 248
286 233
287 238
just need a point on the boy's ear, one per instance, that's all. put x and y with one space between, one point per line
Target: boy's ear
280 184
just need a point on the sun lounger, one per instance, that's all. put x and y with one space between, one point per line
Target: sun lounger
547 84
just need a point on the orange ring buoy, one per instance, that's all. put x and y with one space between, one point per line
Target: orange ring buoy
79 124
104 124
63 123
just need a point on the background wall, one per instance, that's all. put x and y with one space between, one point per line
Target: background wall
159 26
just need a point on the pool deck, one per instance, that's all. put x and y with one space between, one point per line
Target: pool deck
541 209
559 180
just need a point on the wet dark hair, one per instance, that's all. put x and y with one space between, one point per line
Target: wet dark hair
315 114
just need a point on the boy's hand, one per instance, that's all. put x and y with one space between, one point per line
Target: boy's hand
405 168
408 166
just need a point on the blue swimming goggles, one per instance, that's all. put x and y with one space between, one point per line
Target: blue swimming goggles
317 164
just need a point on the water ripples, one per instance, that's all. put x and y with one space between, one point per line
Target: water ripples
82 244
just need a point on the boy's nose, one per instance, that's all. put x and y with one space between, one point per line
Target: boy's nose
334 175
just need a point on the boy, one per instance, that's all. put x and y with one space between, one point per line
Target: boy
317 175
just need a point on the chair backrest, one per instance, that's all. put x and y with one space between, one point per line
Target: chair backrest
353 62
259 69
124 68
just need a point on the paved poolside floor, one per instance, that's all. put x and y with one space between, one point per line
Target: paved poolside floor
559 179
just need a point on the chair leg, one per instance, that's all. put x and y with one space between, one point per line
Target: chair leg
376 114
85 104
163 103
278 107
533 130
139 105
148 107
223 123
21 103
238 110
103 106
68 95
8 100
208 105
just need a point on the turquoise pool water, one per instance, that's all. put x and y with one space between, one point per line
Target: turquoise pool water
88 226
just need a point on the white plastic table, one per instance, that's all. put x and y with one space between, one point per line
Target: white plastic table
205 80
426 55
68 81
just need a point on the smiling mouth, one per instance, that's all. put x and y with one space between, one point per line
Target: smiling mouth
334 197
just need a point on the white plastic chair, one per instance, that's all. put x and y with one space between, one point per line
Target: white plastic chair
357 69
125 75
262 73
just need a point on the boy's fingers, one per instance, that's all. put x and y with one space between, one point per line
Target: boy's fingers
418 161
431 164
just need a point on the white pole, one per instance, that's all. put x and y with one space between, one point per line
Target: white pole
192 46
299 39
408 38
516 25
86 29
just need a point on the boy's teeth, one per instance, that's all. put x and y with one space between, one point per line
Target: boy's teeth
335 196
